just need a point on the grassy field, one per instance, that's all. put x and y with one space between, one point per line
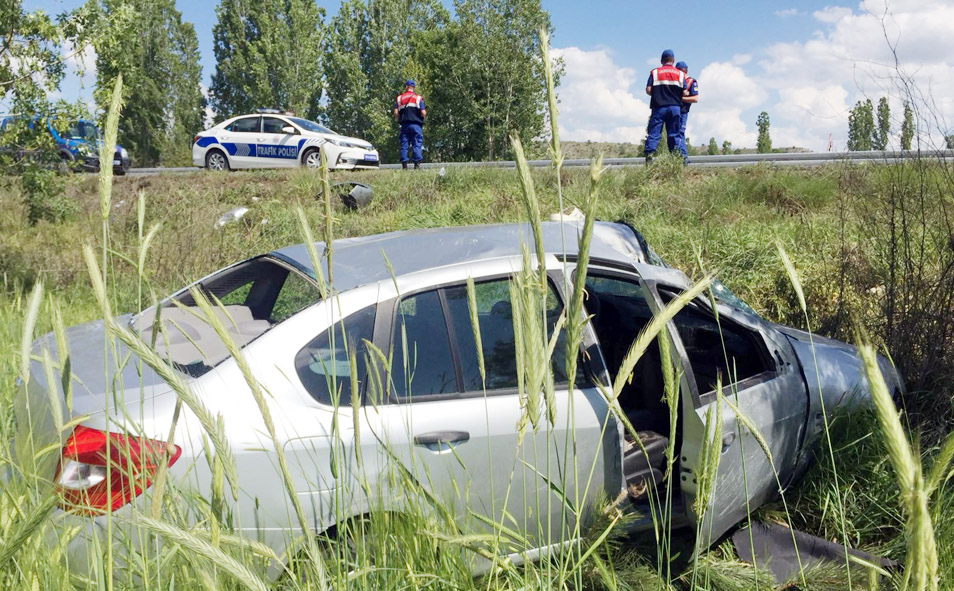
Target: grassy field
869 244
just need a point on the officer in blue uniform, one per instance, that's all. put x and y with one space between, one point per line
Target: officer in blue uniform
690 95
410 112
665 87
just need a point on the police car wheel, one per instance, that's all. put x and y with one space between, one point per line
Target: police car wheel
216 161
312 158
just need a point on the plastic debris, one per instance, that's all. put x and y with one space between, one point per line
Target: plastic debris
232 215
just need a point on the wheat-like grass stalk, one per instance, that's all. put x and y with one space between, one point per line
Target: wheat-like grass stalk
921 563
200 547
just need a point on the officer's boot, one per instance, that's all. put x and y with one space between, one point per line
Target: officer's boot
649 159
404 165
417 166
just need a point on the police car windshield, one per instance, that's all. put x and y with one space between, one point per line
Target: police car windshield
309 125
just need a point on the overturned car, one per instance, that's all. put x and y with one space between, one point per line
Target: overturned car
386 371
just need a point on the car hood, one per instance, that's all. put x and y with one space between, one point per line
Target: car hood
360 143
103 378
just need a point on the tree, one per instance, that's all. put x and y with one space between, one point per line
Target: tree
726 147
880 140
30 63
861 128
713 147
158 56
488 79
907 127
373 46
764 142
268 54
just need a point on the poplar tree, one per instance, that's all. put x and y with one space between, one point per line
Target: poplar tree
907 127
158 55
726 147
880 141
713 147
861 128
764 142
268 54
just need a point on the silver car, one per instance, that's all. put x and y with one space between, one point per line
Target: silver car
401 298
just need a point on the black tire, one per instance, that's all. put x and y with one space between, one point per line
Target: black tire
67 162
311 158
216 161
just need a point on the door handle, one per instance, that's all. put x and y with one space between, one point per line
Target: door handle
441 438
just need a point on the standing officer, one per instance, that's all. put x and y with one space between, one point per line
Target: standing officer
665 85
690 95
409 111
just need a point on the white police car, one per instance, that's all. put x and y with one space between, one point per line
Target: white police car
272 139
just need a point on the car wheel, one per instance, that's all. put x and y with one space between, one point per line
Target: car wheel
312 158
216 161
67 163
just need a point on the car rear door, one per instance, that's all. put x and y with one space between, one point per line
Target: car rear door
460 435
761 377
239 139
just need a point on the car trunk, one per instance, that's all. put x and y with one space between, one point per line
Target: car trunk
44 419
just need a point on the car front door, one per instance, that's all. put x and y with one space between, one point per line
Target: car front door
239 140
464 438
761 378
276 147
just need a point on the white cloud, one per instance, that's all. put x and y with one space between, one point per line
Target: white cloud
740 59
788 12
832 14
599 99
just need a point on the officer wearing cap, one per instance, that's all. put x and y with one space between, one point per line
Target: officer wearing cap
409 111
665 87
690 95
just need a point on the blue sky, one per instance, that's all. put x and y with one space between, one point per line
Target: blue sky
805 62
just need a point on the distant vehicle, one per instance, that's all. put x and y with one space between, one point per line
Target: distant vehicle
77 141
272 139
454 427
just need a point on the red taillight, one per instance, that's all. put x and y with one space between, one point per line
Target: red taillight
89 483
196 138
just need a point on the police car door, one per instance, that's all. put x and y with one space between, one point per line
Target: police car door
275 146
238 139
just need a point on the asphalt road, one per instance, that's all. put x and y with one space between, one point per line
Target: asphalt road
798 159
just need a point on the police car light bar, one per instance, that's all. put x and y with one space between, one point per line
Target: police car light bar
265 111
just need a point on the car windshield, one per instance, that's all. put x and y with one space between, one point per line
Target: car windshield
309 125
82 130
255 296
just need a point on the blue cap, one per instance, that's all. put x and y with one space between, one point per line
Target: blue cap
682 66
409 82
668 55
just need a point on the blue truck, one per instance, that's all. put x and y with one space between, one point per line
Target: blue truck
77 141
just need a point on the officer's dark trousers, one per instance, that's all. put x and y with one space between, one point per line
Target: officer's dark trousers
671 143
671 117
412 135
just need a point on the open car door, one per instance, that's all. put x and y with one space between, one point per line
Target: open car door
760 377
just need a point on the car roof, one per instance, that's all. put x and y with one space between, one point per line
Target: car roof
361 261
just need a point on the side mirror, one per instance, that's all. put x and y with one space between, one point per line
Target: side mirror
289 130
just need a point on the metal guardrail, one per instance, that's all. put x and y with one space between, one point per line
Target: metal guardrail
718 161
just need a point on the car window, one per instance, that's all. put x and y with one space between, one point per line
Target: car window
428 366
497 341
421 362
324 364
245 125
254 295
718 347
273 125
310 125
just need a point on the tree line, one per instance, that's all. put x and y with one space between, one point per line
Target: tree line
477 67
